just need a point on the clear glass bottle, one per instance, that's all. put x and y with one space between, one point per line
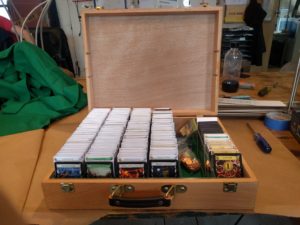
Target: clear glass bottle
232 69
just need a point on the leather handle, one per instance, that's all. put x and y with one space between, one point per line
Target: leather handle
159 201
118 199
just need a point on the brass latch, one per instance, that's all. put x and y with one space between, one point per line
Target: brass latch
67 187
230 187
174 188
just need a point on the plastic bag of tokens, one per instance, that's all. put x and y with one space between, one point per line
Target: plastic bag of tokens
188 158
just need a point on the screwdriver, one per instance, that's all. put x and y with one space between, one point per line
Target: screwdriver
260 141
265 90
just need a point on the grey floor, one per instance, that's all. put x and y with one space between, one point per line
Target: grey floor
189 218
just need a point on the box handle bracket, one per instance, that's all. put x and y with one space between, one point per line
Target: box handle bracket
178 188
118 196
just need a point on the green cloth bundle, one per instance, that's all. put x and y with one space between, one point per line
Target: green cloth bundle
34 91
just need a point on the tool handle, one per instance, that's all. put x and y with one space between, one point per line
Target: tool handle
262 143
264 91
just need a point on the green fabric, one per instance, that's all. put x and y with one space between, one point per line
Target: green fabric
34 91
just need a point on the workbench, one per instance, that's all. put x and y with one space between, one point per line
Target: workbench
281 92
277 173
28 157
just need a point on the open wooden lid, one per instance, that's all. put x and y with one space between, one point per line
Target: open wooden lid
154 58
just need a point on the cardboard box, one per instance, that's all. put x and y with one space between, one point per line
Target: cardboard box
235 13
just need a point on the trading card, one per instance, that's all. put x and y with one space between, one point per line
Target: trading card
69 157
163 169
124 157
71 170
131 171
216 136
163 157
228 165
99 170
143 143
95 158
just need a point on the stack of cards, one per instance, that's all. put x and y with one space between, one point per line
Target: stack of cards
100 159
219 143
69 161
133 153
224 155
163 153
208 125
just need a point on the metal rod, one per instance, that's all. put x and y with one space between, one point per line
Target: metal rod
288 16
295 87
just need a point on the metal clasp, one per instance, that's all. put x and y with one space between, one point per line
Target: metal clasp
67 187
230 187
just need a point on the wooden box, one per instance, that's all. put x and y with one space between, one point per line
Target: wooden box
154 58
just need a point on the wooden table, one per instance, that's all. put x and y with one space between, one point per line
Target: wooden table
281 92
277 173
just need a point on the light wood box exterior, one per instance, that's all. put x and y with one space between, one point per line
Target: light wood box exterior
154 58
